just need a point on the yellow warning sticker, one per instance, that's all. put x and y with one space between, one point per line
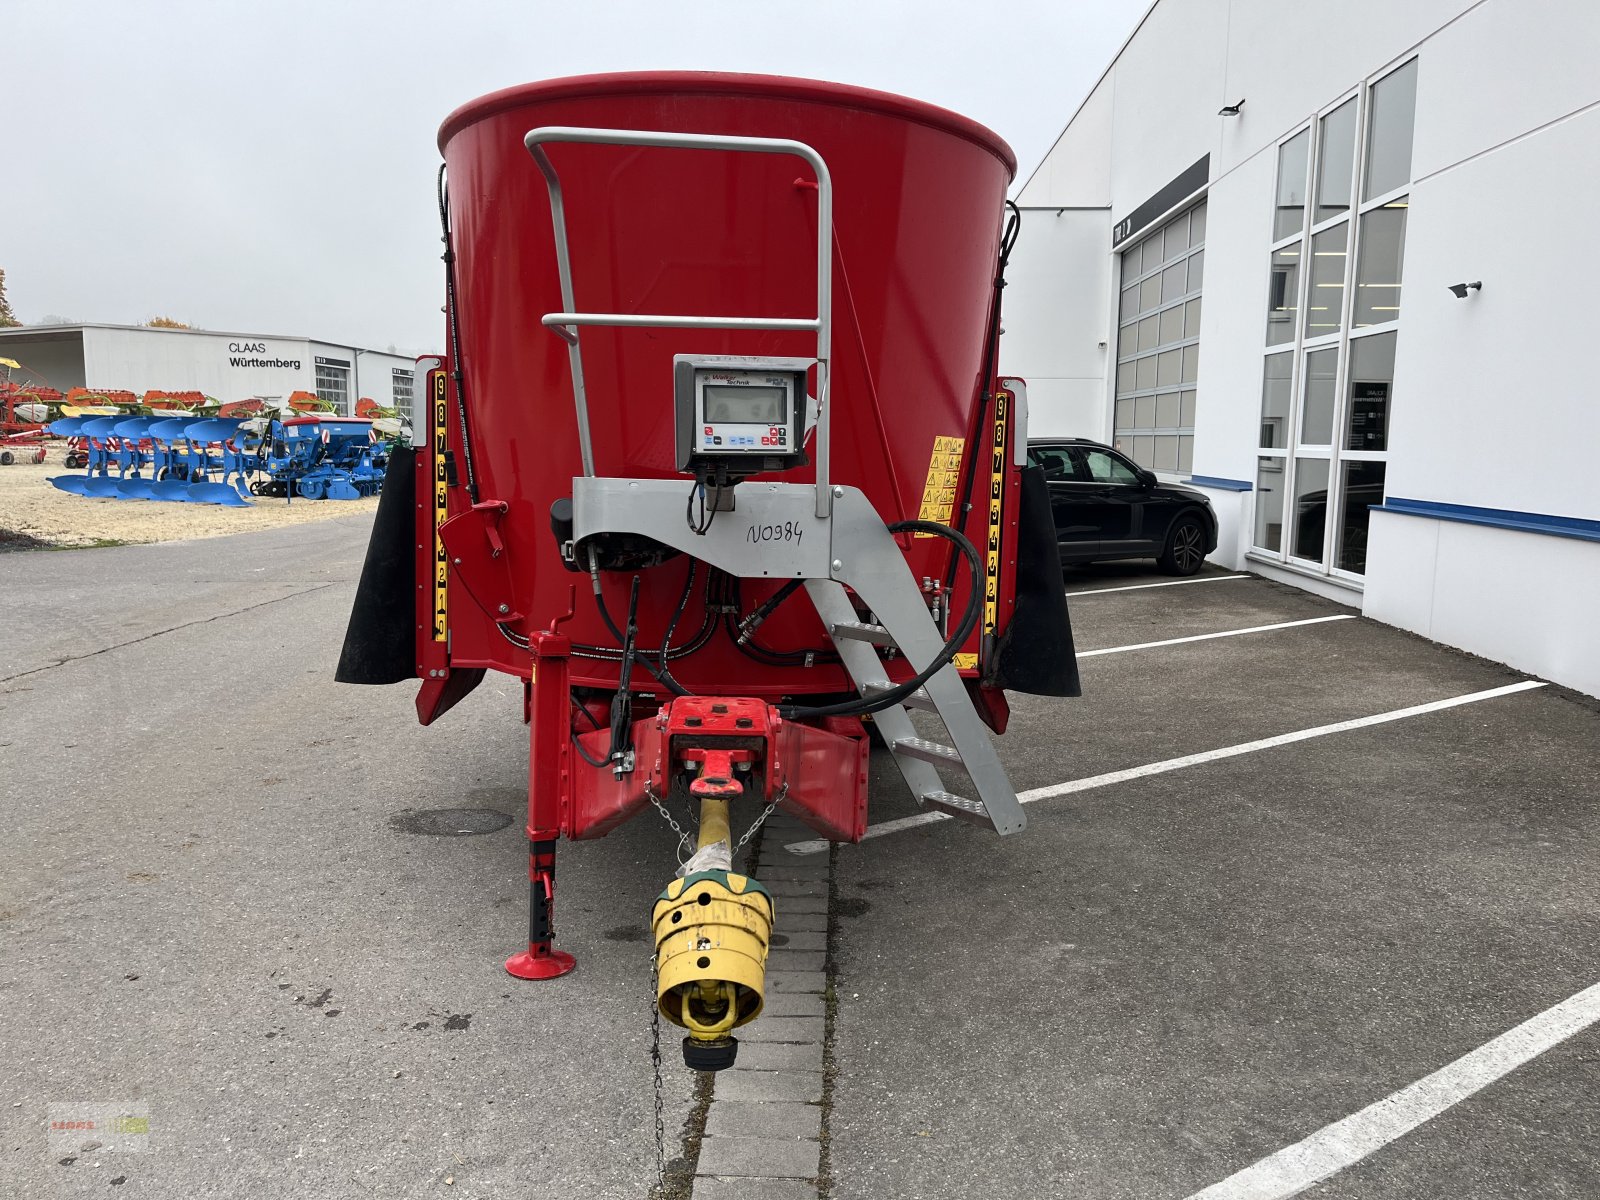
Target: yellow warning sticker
939 492
441 509
965 662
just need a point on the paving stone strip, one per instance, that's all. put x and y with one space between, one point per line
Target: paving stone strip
764 1128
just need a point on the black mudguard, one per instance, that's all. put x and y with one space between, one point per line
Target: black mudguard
380 641
1036 655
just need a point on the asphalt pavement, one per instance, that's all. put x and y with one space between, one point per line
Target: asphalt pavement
214 904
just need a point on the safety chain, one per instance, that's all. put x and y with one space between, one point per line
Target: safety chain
655 1059
779 798
684 840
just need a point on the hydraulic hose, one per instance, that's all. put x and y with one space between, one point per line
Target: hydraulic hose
862 706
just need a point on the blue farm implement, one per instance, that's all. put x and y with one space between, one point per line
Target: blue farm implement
221 460
321 458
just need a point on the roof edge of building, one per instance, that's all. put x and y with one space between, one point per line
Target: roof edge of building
80 326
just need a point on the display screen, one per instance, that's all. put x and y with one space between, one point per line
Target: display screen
746 405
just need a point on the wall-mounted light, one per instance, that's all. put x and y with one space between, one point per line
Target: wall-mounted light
1461 289
1230 110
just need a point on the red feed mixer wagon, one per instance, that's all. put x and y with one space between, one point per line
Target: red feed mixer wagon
717 463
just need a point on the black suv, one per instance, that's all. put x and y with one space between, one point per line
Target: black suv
1106 506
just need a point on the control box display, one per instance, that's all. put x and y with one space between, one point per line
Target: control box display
742 415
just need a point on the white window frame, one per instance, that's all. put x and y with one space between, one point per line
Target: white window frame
1334 453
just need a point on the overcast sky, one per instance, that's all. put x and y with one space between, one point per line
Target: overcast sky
268 167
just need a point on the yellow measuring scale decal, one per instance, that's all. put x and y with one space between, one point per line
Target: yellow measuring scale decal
441 510
997 487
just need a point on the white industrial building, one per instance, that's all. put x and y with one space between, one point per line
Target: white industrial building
224 366
1306 258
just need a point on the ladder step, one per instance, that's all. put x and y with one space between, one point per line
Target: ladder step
959 807
917 699
934 752
862 632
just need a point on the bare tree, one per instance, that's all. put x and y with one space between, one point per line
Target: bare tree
8 319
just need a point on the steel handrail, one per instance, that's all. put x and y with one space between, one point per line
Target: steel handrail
567 322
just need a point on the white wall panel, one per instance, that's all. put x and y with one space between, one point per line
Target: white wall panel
1522 599
1506 67
1289 60
1057 312
1076 173
1169 84
143 359
1233 321
1494 405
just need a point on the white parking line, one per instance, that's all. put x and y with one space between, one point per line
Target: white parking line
816 846
1346 1142
1139 587
1206 637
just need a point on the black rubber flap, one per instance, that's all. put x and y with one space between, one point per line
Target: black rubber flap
1036 655
380 641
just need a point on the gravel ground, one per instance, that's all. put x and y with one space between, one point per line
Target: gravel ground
32 511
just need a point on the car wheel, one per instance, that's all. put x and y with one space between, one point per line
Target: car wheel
1186 547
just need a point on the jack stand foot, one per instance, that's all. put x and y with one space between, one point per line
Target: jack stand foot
545 964
540 960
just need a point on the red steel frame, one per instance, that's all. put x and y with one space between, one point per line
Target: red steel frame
817 772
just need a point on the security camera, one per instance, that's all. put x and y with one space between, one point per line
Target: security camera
1461 289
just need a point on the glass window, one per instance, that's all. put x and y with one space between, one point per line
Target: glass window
1172 325
1186 452
1275 401
1378 264
1127 340
1363 487
1152 253
1150 293
1166 452
1168 366
1144 452
1130 303
1148 331
1269 504
1393 113
1283 292
1057 466
333 382
1172 284
1371 389
1197 226
1197 263
1325 303
1316 417
1146 375
1103 467
1337 165
1176 238
400 387
1125 377
1290 214
1191 364
1186 412
1191 318
1167 410
1144 412
1310 508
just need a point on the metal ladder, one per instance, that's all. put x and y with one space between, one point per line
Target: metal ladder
910 630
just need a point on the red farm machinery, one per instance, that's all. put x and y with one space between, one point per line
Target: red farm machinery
718 464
